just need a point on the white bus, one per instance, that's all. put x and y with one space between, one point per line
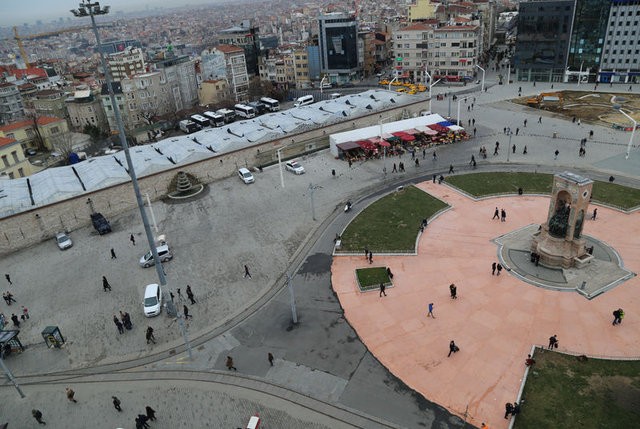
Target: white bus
216 119
272 105
201 121
304 100
228 115
245 111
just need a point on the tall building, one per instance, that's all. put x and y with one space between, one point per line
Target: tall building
338 37
542 45
229 63
245 36
86 109
588 33
126 63
180 73
621 54
114 46
50 102
11 108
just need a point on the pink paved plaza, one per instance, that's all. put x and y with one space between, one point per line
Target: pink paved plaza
496 319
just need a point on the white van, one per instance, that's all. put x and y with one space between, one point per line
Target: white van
164 253
335 95
304 100
152 304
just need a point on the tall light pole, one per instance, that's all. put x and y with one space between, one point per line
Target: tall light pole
635 125
458 117
280 167
481 88
580 75
509 147
90 9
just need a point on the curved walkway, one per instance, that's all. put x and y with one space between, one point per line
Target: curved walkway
495 320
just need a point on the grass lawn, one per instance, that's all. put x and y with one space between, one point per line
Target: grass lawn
391 223
370 278
562 392
484 184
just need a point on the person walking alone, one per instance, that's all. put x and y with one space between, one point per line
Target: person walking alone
70 395
430 313
116 403
37 414
105 284
229 364
496 214
8 277
595 214
113 254
151 413
382 288
118 324
453 290
150 336
185 310
190 295
246 272
270 358
499 268
493 268
553 342
453 348
132 239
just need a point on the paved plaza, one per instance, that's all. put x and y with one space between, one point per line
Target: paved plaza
273 231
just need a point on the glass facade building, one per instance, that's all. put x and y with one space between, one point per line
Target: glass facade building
588 34
338 37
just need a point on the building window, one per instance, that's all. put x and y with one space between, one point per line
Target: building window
14 154
5 161
11 175
55 130
21 172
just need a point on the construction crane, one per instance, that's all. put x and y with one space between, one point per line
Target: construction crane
19 38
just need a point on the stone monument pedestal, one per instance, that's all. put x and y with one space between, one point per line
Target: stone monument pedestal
557 252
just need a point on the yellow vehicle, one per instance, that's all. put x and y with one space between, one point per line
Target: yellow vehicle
384 82
396 83
412 91
422 88
401 90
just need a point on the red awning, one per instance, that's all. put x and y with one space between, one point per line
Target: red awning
407 138
365 144
412 131
399 133
439 128
384 143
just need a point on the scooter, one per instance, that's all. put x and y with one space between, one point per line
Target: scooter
347 207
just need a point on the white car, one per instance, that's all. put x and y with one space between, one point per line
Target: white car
164 253
152 303
63 241
294 167
245 175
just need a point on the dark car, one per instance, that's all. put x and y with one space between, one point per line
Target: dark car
100 223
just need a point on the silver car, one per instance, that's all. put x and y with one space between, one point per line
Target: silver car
63 241
164 253
294 167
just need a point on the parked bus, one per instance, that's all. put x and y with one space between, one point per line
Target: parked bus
228 115
258 106
245 111
188 126
216 119
304 100
272 105
201 121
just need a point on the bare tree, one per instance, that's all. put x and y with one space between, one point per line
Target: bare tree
63 144
37 138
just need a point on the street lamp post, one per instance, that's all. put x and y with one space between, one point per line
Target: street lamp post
280 167
483 71
635 125
90 9
509 147
580 74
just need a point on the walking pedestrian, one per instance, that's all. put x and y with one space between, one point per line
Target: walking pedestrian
382 288
513 148
595 214
453 348
617 316
517 131
435 156
116 403
424 153
25 313
556 153
473 122
529 361
553 342
105 284
149 335
430 313
540 120
499 268
453 290
8 277
246 273
190 295
417 163
8 297
366 253
151 413
113 254
37 414
370 257
270 358
70 395
185 310
493 268
132 239
496 214
508 409
118 324
524 151
474 131
229 364
503 215
15 320
350 163
395 169
172 296
525 123
142 421
451 169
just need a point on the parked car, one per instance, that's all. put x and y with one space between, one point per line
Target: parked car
294 167
30 151
100 223
245 175
164 253
63 241
152 304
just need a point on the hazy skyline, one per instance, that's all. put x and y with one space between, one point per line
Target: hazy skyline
18 12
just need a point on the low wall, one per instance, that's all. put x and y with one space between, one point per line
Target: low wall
31 227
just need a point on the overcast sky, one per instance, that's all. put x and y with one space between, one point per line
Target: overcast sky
17 12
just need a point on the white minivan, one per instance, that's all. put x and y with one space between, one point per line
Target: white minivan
164 253
304 100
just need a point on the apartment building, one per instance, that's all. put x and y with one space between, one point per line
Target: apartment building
85 108
50 102
245 36
338 47
180 74
25 132
126 63
13 163
11 108
621 53
235 71
214 91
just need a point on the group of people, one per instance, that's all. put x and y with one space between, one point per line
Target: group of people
511 409
8 297
123 323
500 214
